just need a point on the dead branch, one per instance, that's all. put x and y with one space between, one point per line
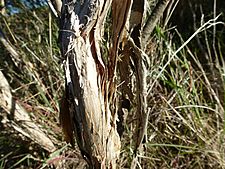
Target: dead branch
20 119
152 21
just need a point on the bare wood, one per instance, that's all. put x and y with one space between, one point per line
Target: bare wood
20 119
89 81
120 11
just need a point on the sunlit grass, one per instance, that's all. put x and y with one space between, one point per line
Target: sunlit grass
186 125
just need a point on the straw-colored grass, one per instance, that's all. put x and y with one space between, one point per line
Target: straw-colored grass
186 124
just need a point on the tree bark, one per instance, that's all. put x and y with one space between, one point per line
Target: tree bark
152 21
90 83
89 109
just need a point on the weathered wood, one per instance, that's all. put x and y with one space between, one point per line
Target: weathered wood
90 83
20 119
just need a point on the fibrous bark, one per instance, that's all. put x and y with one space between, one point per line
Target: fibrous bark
90 106
152 21
90 83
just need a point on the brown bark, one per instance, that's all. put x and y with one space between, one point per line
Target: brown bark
136 20
152 21
66 121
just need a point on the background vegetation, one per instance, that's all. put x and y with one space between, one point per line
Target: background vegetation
186 127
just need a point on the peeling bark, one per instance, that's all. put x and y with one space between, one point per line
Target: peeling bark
91 101
90 85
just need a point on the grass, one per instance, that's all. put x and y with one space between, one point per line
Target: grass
37 83
186 123
186 127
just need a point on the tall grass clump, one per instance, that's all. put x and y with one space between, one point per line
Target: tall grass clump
36 79
186 121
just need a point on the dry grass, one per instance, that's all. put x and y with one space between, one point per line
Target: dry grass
186 122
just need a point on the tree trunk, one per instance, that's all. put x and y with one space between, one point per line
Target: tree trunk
90 105
90 83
